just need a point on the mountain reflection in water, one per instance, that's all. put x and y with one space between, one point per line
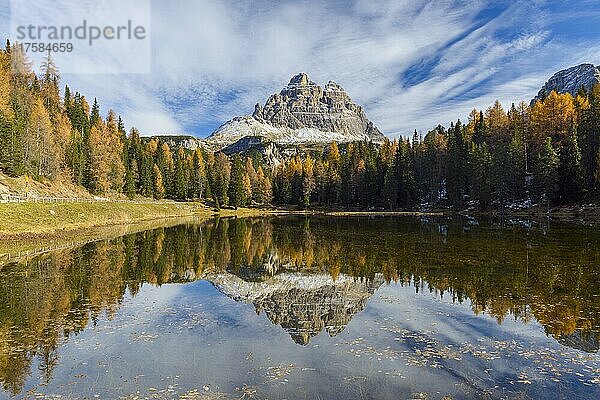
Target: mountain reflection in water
307 275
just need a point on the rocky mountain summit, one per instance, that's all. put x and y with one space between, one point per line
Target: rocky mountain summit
302 113
570 80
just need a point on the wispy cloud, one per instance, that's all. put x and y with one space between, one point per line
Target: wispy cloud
412 64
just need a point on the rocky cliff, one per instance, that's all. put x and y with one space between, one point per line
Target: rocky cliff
570 80
302 113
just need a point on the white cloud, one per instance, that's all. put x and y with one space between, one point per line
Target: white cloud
213 60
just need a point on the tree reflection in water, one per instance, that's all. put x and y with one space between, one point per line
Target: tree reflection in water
307 275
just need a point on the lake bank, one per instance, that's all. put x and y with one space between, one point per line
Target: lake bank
25 227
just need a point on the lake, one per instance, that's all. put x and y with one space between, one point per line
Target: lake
315 307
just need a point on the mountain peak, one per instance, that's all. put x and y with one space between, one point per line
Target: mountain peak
301 79
570 80
301 113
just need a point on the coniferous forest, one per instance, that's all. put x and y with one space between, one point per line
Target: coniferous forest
547 154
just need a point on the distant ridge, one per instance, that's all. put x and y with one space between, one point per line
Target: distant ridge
570 80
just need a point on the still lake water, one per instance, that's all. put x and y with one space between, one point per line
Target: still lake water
308 308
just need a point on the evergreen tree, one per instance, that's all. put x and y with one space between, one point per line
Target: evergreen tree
481 166
49 86
247 184
130 188
390 186
515 169
571 173
159 189
479 135
265 189
546 172
221 173
198 184
236 185
95 115
456 166
597 172
308 181
589 138
181 179
166 164
404 175
145 172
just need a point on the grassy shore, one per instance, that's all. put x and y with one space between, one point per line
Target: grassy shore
48 218
26 227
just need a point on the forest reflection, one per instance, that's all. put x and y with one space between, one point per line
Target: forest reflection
548 275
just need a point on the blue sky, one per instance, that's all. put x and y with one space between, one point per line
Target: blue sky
411 64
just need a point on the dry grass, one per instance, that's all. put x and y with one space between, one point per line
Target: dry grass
44 218
27 227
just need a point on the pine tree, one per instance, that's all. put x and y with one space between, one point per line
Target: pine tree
404 176
265 189
145 172
515 169
236 185
115 153
49 86
134 157
166 164
159 189
479 134
308 181
8 158
129 188
571 173
67 101
597 169
221 173
456 166
481 166
589 138
247 184
41 157
546 172
198 184
95 114
180 183
390 186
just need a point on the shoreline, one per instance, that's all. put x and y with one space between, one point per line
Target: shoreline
26 228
